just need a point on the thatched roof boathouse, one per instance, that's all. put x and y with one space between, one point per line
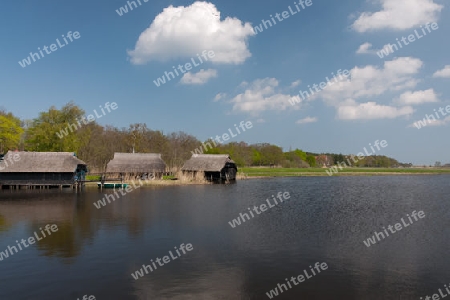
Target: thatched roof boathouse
41 169
216 167
136 165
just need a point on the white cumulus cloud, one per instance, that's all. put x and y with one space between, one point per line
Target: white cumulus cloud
398 15
219 96
438 122
296 83
365 49
417 97
262 95
444 73
372 110
198 78
184 32
430 121
352 96
307 120
370 80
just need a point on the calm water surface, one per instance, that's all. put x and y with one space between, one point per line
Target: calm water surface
95 250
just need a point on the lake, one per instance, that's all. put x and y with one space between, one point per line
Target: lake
95 251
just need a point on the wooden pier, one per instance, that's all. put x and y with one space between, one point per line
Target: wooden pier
40 186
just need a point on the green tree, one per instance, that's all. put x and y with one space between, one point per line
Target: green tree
311 160
270 154
300 154
56 130
256 157
10 132
297 159
213 149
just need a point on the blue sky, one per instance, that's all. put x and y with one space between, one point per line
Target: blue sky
251 77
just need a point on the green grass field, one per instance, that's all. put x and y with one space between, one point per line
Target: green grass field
284 172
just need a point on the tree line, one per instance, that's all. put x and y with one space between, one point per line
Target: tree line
96 144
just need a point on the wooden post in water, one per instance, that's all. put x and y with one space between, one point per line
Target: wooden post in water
102 182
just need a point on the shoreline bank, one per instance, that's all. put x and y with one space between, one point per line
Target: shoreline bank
247 173
259 173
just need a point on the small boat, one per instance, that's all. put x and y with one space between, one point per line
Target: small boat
111 185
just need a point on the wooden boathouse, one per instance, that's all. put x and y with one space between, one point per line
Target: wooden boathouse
216 167
41 170
136 166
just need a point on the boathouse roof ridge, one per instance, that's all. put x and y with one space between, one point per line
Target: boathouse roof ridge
40 162
136 163
207 162
136 156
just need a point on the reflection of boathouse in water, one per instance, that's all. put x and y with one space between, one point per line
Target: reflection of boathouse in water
41 169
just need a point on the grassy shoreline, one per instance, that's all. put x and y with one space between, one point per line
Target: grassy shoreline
260 172
296 172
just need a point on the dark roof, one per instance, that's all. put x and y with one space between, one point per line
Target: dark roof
136 163
40 162
207 162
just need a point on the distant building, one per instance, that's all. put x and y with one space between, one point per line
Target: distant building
41 169
216 167
323 161
136 165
